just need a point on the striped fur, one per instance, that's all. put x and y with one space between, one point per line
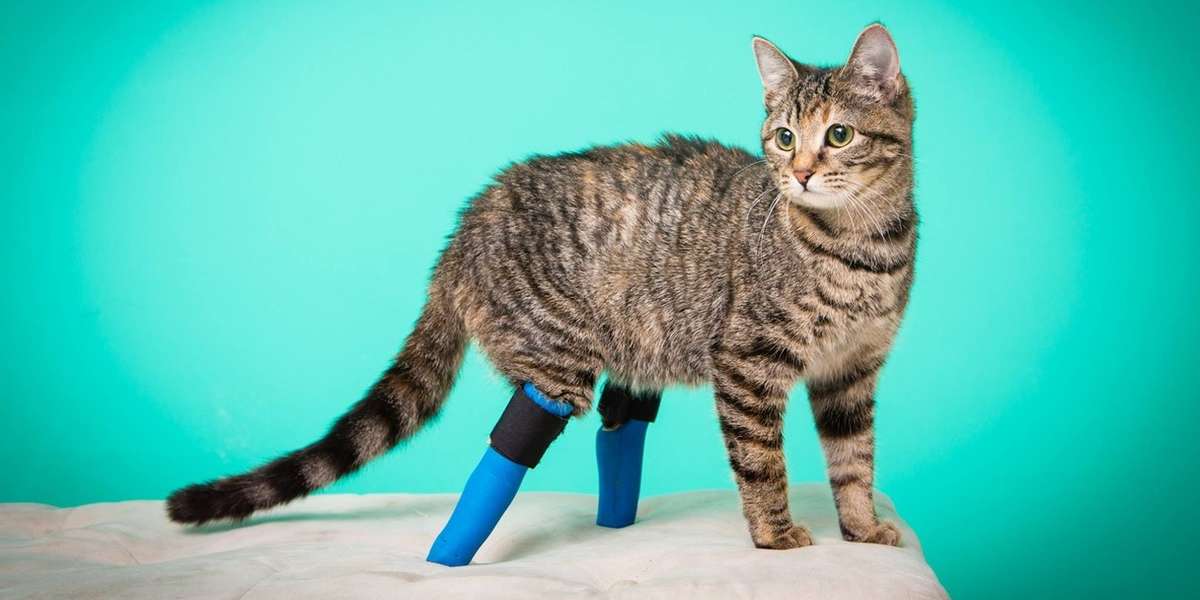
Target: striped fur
681 262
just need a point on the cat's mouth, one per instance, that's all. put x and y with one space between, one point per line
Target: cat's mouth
815 199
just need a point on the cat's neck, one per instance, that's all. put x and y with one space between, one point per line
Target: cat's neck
875 245
852 223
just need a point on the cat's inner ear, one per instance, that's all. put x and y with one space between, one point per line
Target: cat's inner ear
874 65
774 68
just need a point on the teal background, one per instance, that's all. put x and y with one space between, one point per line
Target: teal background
218 219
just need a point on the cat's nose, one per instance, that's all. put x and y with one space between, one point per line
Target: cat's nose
802 175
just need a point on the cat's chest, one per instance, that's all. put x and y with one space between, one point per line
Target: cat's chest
857 292
845 306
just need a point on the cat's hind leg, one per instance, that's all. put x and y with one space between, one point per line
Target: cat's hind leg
533 418
620 446
530 422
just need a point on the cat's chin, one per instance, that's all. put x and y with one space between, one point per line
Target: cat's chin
810 199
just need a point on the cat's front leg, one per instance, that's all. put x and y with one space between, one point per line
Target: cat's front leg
843 404
750 412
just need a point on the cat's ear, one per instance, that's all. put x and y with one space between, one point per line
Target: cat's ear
774 68
873 69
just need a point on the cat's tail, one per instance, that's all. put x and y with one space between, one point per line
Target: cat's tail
404 398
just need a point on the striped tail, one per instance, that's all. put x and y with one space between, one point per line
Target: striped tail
403 399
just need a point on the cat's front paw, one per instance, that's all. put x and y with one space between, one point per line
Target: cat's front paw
882 532
793 537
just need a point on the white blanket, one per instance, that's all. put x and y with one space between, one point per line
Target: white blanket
692 545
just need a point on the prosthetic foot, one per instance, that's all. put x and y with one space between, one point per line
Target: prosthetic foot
619 448
530 422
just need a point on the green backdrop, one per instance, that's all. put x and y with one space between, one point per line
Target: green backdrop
218 219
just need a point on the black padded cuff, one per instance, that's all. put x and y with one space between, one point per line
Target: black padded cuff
618 405
525 430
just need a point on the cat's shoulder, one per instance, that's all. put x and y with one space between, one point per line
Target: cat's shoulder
682 148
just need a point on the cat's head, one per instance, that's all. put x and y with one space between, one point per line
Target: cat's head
839 137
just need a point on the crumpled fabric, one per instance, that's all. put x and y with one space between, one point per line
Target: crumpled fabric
690 545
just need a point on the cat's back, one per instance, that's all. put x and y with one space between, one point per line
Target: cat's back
588 202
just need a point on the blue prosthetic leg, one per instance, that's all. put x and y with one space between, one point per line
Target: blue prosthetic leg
529 423
619 448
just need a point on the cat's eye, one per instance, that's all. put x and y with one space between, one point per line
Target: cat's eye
839 135
785 139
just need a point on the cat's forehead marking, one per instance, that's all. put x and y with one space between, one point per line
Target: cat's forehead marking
813 99
815 111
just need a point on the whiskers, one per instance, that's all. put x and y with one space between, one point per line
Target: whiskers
868 208
859 197
738 172
837 183
763 229
758 199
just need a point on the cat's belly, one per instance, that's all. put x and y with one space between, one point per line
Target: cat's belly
653 352
649 371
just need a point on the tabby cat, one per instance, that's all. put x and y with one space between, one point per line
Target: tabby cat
683 262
